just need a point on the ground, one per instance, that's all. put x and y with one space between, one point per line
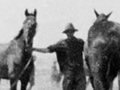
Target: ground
43 79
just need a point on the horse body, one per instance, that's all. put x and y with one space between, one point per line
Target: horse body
3 49
9 53
103 52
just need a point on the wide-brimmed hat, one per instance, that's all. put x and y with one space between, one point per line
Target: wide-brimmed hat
70 28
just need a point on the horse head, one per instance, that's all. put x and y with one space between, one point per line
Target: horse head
29 27
102 16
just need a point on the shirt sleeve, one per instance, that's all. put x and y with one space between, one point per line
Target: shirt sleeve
59 46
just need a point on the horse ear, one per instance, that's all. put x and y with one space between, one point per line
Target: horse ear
35 12
107 16
26 12
96 13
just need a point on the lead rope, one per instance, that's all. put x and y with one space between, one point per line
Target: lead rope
21 72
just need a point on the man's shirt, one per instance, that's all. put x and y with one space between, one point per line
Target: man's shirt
69 52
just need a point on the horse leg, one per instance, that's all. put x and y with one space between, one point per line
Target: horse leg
11 68
13 84
24 83
111 78
111 86
91 80
111 83
118 80
89 72
32 79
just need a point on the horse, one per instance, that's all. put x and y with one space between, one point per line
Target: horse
16 61
102 51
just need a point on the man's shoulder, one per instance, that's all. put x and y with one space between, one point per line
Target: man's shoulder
62 41
80 40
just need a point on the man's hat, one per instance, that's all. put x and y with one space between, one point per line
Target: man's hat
70 28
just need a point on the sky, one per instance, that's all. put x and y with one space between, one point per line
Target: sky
52 17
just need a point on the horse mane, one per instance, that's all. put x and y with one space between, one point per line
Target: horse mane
19 35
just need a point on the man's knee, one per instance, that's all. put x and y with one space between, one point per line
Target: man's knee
66 81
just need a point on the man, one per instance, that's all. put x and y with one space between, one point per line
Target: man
70 59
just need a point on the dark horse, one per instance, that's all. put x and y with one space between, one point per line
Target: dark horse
16 62
102 52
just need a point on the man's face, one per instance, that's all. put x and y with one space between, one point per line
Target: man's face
70 34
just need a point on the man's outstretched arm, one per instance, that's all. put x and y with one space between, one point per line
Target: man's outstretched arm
43 50
60 46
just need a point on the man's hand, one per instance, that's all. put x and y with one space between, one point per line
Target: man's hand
29 49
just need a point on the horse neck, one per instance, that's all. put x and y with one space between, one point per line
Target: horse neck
27 53
20 41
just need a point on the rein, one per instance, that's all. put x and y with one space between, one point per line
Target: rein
22 72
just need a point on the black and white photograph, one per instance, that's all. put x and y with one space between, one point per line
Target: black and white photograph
59 45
